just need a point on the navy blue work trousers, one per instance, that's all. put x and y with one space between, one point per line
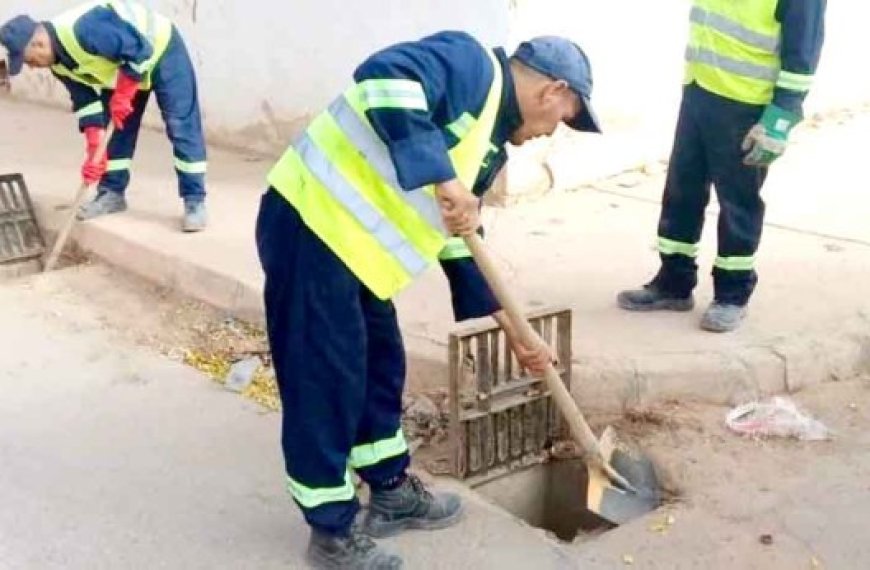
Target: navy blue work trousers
174 85
340 366
707 152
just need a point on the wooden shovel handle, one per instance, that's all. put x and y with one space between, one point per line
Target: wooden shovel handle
81 194
577 423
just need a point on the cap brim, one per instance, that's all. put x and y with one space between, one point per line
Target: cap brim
586 121
16 63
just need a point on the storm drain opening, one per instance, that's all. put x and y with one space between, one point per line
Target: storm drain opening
504 427
22 244
550 496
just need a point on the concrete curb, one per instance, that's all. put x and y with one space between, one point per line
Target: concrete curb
222 290
785 366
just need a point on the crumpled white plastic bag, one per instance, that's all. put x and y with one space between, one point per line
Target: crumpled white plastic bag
777 417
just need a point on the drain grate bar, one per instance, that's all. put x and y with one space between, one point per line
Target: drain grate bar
501 419
20 236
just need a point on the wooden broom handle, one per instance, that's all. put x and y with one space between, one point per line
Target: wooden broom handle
577 423
69 223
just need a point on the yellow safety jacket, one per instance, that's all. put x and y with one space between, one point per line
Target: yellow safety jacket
734 49
341 179
97 71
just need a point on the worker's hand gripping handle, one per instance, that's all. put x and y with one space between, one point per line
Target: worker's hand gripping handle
63 234
580 429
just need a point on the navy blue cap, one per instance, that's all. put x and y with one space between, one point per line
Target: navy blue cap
559 58
15 35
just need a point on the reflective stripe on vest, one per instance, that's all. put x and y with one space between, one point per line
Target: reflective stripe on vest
96 71
341 179
734 49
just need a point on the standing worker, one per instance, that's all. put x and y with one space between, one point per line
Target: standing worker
357 208
750 64
110 55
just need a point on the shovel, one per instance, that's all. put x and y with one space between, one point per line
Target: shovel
63 234
622 485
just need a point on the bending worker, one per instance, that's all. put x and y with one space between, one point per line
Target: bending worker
110 55
357 208
750 64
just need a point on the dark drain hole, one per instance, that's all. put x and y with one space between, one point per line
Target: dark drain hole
551 497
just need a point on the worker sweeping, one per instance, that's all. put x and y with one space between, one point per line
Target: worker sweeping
111 55
749 66
361 204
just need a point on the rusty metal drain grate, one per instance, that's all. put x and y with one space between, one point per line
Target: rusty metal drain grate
501 419
20 236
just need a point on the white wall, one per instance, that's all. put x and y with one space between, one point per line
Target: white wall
265 66
636 48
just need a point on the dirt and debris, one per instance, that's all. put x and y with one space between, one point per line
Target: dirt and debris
662 523
426 419
219 347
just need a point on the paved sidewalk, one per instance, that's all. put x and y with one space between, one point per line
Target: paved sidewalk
809 320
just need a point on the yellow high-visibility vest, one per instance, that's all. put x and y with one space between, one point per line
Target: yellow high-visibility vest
734 49
96 71
341 179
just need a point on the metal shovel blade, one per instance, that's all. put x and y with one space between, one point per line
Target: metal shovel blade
612 503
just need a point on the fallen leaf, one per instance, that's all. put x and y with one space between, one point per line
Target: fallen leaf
663 525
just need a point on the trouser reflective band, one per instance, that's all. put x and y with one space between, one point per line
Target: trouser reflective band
191 167
95 108
455 248
119 164
745 263
370 454
673 247
311 498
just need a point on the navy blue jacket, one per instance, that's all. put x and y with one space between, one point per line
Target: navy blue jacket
456 74
100 31
803 34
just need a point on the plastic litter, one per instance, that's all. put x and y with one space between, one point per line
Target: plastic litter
777 417
241 374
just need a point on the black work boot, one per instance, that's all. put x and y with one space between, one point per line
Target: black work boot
651 298
410 506
354 552
723 317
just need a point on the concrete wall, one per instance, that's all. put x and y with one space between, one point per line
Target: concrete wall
636 49
266 65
